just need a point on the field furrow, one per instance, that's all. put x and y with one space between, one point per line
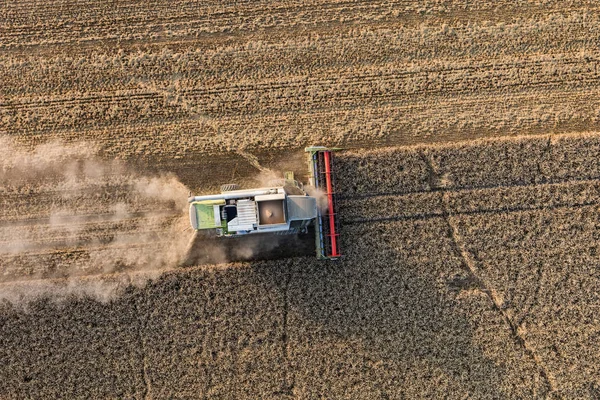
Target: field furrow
148 23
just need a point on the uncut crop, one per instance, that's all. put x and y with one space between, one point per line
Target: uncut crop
483 287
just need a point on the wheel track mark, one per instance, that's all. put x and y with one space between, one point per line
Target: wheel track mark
279 119
107 238
476 276
502 66
322 27
100 248
210 20
419 108
534 299
105 218
177 97
227 17
147 393
289 385
93 276
498 305
181 97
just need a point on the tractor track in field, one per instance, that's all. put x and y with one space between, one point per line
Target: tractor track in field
90 235
294 104
113 26
97 218
57 279
500 71
488 289
204 138
401 88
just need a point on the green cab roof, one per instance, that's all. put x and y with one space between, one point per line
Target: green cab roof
202 214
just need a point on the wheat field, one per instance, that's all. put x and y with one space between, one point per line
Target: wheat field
468 191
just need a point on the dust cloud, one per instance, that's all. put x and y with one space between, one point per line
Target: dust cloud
320 195
74 223
77 224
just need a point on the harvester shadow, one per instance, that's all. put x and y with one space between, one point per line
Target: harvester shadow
382 314
215 250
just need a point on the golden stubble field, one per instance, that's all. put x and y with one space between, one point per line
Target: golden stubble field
468 199
171 81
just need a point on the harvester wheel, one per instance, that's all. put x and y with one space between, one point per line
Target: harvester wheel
229 187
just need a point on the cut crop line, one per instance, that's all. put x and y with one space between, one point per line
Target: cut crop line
350 78
88 276
109 97
278 120
211 19
289 385
324 25
496 302
355 77
147 392
51 251
85 219
105 237
328 12
358 81
235 13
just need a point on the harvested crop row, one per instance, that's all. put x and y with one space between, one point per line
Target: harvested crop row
80 205
133 252
395 81
52 26
67 212
73 232
348 88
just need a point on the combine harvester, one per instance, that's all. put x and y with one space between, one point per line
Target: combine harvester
284 207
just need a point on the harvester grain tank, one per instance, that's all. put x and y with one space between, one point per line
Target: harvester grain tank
283 207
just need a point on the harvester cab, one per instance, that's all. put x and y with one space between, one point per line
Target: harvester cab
283 207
